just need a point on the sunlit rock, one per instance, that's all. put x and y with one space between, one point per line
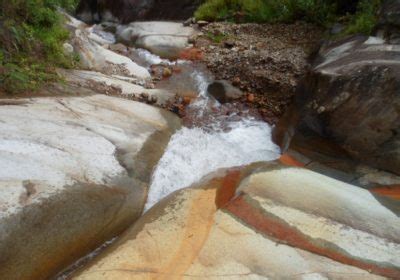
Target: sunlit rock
263 221
74 173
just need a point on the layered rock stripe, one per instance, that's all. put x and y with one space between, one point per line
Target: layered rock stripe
265 220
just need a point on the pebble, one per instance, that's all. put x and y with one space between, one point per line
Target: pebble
251 97
167 72
202 23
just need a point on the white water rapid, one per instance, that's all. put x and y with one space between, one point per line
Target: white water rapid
195 152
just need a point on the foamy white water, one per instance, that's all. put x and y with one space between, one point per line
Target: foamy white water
193 153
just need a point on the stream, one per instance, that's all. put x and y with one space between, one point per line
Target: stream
214 135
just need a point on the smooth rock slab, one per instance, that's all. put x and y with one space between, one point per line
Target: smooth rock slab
166 39
73 174
115 85
265 221
95 57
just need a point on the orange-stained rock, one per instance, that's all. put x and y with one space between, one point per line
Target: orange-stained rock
290 161
251 97
191 54
389 191
262 221
167 72
187 100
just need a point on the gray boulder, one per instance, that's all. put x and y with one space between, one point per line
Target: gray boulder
352 98
166 39
224 91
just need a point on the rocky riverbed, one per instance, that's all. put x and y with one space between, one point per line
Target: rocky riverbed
96 185
266 61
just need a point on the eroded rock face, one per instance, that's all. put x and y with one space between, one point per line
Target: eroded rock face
166 39
74 173
265 220
126 11
352 98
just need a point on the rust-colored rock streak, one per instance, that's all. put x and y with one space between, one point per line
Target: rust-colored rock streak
392 191
275 228
290 161
228 188
199 222
192 54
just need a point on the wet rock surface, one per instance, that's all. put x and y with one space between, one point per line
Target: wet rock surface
265 220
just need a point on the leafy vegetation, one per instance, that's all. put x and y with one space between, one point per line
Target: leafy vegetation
321 12
31 39
365 18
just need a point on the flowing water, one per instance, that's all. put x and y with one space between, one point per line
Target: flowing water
211 139
213 136
194 152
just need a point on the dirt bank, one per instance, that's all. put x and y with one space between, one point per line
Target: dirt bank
266 61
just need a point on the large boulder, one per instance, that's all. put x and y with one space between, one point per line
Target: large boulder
126 11
74 173
352 98
166 39
263 221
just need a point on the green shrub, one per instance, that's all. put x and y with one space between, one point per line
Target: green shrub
31 39
365 18
317 11
321 12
